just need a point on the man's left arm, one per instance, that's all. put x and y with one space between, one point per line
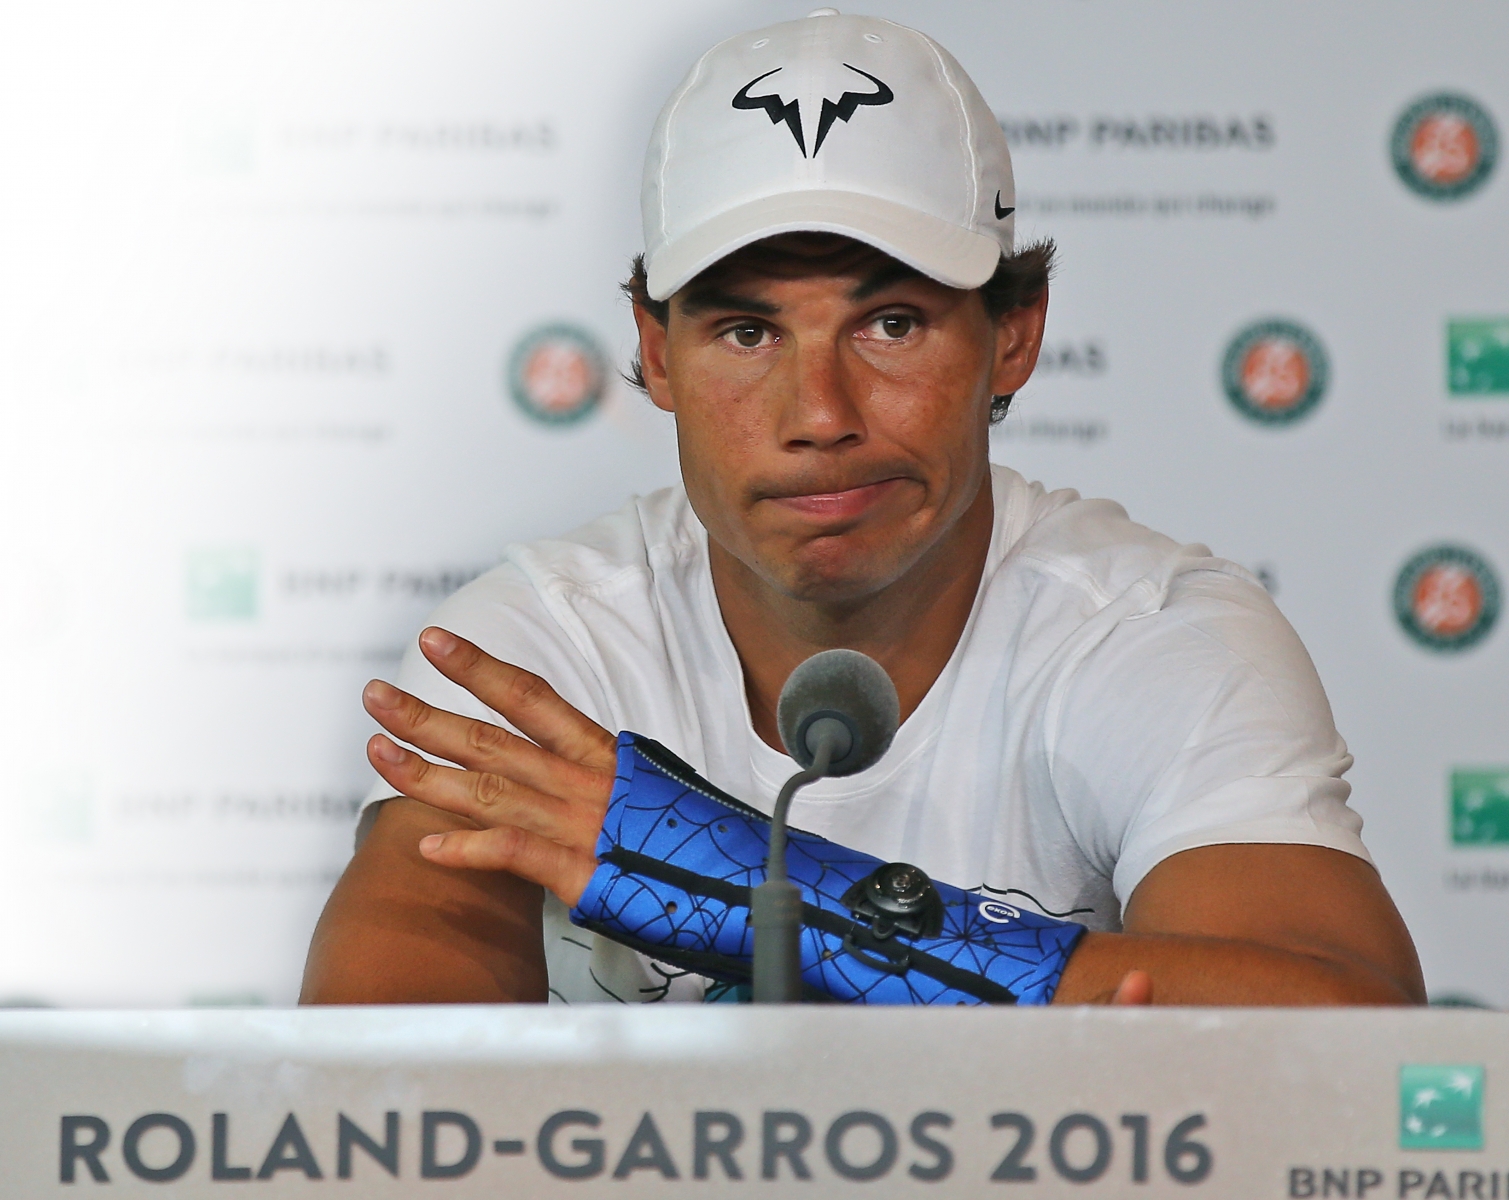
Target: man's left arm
1252 924
1196 759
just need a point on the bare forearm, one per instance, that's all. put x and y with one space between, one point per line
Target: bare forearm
1217 971
399 930
400 954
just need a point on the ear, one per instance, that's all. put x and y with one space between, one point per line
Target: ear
1019 337
652 337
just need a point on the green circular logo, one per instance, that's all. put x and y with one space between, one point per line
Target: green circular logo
1446 598
557 374
1275 372
1444 146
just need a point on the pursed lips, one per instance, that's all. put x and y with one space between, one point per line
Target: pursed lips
840 505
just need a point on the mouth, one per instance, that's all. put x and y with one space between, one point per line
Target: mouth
845 505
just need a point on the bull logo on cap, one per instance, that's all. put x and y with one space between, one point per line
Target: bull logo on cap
833 110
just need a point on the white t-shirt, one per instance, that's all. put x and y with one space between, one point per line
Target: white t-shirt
1115 698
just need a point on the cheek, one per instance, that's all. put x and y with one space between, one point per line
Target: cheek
937 403
719 413
719 436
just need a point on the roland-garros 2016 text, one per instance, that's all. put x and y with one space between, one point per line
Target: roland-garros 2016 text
859 1145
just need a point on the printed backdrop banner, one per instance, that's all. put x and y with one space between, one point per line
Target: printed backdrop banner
307 310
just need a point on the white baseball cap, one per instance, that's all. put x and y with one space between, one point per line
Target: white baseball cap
843 124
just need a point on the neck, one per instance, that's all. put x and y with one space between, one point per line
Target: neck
910 626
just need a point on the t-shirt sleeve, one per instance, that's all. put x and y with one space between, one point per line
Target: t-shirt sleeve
503 614
1203 723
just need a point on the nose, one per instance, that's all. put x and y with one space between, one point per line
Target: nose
819 406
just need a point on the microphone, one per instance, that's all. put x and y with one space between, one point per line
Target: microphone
837 715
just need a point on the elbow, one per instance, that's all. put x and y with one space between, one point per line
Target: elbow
1352 984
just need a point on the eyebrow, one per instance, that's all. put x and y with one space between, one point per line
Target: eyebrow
711 298
705 299
884 277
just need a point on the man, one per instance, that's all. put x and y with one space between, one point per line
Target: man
1097 722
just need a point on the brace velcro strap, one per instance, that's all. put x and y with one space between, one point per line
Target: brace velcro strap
677 859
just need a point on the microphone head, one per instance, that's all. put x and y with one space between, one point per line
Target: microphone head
846 686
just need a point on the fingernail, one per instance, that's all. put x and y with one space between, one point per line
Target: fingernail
431 842
388 751
438 641
380 695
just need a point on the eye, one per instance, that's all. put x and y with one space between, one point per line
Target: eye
746 337
892 327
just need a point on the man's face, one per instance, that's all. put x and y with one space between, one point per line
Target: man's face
832 414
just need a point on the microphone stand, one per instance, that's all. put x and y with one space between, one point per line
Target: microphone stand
776 904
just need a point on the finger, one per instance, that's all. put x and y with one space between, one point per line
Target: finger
489 800
1135 988
526 700
509 848
481 746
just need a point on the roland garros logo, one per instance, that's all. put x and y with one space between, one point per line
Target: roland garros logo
1275 372
1446 598
1444 146
557 374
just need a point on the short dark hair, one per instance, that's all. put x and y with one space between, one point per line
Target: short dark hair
1020 278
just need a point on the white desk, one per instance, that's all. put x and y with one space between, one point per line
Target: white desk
664 1100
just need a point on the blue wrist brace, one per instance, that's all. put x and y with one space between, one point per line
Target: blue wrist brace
677 860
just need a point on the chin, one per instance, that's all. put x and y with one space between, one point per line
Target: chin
840 579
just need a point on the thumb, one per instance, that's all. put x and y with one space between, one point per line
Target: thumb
517 851
1135 988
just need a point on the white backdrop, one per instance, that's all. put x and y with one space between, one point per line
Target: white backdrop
307 309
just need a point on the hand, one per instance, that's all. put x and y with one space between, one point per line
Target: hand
538 801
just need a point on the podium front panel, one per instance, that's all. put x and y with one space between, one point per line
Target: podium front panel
741 1101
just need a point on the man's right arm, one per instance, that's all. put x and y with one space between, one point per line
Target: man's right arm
400 929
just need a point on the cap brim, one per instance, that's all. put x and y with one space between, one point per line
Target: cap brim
939 249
